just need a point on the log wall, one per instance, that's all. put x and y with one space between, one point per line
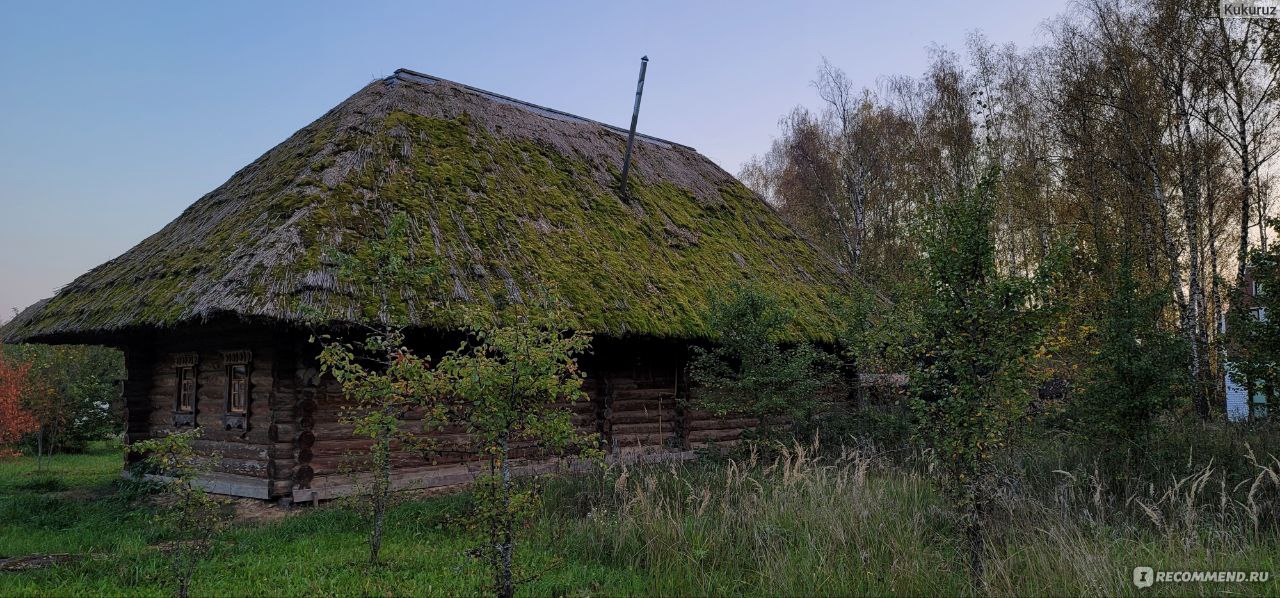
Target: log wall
637 399
298 447
241 460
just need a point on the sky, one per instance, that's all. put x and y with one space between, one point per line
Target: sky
116 116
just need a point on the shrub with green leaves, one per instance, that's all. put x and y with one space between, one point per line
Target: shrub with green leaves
192 516
510 384
384 381
748 370
71 391
382 378
1136 371
979 330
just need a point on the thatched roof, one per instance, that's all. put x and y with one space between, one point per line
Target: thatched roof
504 197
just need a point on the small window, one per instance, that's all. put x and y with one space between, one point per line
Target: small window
186 389
238 391
238 379
185 400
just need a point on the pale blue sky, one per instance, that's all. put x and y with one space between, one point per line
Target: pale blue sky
115 116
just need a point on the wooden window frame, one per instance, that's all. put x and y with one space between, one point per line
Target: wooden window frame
184 363
237 384
237 417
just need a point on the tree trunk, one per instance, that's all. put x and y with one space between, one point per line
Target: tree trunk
184 581
853 378
975 535
1189 172
1219 318
382 495
379 511
506 546
1246 191
186 549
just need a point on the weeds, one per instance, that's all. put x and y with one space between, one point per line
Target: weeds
1068 519
852 521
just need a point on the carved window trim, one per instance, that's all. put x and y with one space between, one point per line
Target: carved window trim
238 390
186 397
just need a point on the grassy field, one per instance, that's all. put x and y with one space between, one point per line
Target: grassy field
846 523
80 506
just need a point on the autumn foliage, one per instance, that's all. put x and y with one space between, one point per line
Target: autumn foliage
15 420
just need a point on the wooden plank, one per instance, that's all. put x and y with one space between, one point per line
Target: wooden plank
643 405
642 439
223 483
722 424
632 417
645 394
696 436
644 428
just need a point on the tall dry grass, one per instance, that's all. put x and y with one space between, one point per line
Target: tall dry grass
808 521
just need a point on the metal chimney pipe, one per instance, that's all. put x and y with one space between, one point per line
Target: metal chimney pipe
635 116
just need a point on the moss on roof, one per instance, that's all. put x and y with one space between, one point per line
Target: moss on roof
503 199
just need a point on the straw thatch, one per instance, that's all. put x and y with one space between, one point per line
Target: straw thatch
503 198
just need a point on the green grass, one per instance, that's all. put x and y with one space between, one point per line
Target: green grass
791 525
317 551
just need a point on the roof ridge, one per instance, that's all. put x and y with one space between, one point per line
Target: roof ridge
411 75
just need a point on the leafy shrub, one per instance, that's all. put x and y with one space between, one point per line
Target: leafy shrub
749 371
1137 372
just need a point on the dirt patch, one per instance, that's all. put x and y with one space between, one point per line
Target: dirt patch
252 510
88 494
35 561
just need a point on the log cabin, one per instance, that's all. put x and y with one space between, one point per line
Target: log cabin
503 196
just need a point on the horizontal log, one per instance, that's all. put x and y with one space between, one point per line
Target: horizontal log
281 468
229 484
643 404
631 417
722 424
246 467
714 435
630 453
163 385
641 439
644 394
615 384
643 428
230 450
695 414
282 431
713 444
260 377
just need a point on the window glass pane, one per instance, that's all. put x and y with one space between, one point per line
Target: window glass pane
239 388
186 389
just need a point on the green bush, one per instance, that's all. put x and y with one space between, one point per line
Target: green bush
749 371
1137 371
81 382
